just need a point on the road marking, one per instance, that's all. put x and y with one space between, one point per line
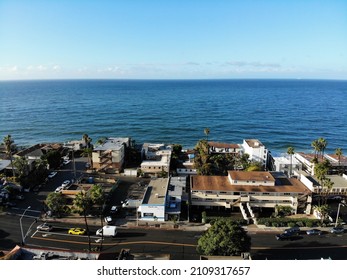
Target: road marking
117 243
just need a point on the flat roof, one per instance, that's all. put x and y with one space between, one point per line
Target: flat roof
251 175
221 183
254 143
156 191
112 144
224 145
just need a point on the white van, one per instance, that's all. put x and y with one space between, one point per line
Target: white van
107 231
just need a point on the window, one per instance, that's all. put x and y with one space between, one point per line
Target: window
148 214
235 181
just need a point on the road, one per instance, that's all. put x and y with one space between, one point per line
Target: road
179 244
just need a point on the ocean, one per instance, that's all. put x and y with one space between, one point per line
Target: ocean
280 113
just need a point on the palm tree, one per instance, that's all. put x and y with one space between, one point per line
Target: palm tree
97 197
8 146
290 151
82 203
87 140
207 132
317 148
338 153
323 144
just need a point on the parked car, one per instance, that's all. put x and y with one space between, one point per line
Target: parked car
293 230
10 204
285 236
66 161
337 230
114 209
52 174
20 197
77 231
59 189
314 232
65 183
44 227
109 220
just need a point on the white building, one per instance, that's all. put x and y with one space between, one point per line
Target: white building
157 158
224 148
153 204
256 150
285 164
247 190
109 156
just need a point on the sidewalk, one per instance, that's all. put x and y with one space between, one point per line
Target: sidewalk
168 225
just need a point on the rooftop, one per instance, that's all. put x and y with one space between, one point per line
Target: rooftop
112 144
251 175
221 183
254 143
156 191
224 145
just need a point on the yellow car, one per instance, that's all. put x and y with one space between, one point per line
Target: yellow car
77 231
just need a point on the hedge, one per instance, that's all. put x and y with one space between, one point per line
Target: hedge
287 222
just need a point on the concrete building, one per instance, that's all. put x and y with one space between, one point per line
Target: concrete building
187 166
153 204
285 164
247 190
224 148
256 150
109 156
156 158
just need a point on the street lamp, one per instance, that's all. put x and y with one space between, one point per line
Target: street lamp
338 212
20 223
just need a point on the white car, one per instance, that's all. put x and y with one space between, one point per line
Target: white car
109 220
65 183
52 174
59 189
66 161
44 227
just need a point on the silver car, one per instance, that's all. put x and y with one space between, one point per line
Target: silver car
44 227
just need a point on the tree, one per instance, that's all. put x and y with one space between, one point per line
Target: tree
322 210
207 132
321 169
290 152
87 140
8 142
224 238
87 152
56 203
22 166
53 158
82 204
323 144
338 153
317 148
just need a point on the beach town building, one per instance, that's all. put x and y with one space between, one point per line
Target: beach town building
224 148
156 158
153 204
338 166
109 156
162 199
285 164
338 189
35 152
186 166
249 190
256 150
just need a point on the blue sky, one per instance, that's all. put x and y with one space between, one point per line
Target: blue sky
173 39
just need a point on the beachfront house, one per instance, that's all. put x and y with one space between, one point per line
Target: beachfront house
156 159
256 150
109 156
249 191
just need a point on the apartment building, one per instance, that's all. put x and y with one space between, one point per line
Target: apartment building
256 150
109 156
156 158
224 148
248 190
